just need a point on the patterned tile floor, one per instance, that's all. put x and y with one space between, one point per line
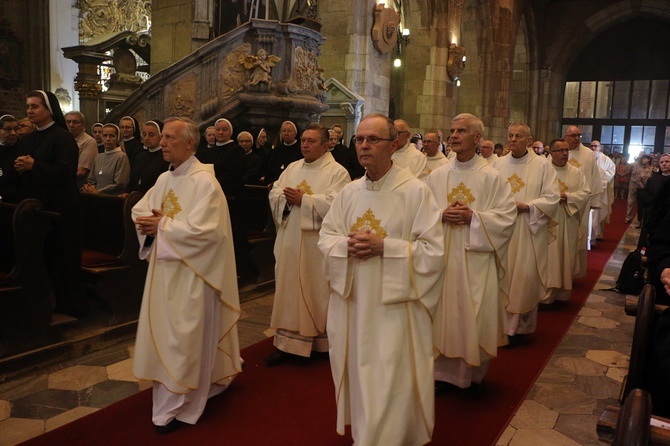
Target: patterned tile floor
582 377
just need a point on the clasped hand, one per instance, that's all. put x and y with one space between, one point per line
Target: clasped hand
293 196
24 163
148 225
457 214
365 244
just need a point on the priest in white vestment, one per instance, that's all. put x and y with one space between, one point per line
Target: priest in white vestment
299 200
486 149
564 237
434 156
187 340
383 246
535 190
583 158
607 170
478 214
407 154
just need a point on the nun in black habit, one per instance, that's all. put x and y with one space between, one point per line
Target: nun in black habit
47 163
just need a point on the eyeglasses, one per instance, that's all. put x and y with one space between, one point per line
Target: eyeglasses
575 135
595 145
538 147
372 140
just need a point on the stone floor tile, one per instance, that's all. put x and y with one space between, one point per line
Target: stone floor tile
580 428
108 356
533 415
506 436
122 371
77 378
594 298
586 311
556 375
564 399
107 392
16 430
581 366
67 417
45 404
540 437
5 409
599 387
609 358
597 322
21 387
587 342
617 373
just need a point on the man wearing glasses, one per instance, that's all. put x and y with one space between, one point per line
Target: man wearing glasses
582 158
408 155
382 242
564 242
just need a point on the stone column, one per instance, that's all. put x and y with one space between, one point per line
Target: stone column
349 56
87 84
179 27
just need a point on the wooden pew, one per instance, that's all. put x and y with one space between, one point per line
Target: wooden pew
26 297
110 263
261 230
633 423
639 376
640 355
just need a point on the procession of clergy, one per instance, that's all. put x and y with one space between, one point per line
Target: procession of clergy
410 277
466 259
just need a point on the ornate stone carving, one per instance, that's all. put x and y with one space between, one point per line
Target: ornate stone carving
97 17
455 61
125 66
385 29
183 98
307 74
260 68
348 109
234 75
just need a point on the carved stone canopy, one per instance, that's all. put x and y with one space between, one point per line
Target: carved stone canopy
455 61
385 28
98 46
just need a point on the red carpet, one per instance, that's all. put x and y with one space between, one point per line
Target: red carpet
294 404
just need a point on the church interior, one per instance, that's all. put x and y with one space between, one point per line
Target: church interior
602 65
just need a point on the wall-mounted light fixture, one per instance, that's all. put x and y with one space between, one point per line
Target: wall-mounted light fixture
455 62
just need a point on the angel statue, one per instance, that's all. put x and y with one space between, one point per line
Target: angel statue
261 64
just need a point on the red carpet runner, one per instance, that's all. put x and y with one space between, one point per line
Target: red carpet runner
294 404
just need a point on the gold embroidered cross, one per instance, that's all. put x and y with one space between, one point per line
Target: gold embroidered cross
368 221
562 186
516 182
170 205
462 194
575 163
304 186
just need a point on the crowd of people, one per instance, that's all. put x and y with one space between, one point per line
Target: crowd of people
408 258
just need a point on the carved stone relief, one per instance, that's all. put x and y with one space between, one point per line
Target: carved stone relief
307 74
233 75
97 17
182 97
259 70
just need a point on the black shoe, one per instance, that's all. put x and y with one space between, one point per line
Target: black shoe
170 427
513 341
442 387
278 357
